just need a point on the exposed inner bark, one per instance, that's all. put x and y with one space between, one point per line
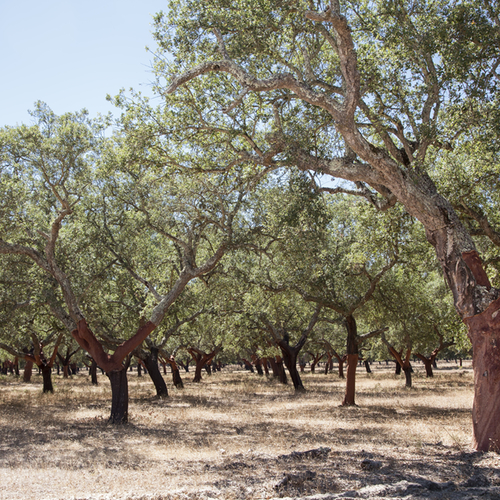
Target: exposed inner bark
201 359
350 390
484 332
28 371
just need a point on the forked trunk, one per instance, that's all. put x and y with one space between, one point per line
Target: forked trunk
47 378
428 367
484 332
290 359
119 396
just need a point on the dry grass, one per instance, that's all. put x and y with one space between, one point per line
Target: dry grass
223 438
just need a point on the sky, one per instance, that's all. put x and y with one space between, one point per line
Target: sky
71 54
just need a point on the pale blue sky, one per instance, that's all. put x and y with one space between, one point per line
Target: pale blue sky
70 54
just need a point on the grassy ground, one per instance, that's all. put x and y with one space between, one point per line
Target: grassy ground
232 436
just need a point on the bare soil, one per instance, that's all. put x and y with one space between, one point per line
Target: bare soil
236 435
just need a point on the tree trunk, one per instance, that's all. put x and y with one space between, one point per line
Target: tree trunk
151 362
93 372
258 365
290 359
264 364
428 363
248 365
28 371
119 396
367 366
197 372
484 332
341 367
274 367
281 370
352 361
65 371
407 371
176 378
47 378
398 369
202 359
350 390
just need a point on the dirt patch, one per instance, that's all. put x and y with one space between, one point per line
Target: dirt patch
240 436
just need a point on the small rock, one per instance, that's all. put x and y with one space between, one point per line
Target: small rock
371 464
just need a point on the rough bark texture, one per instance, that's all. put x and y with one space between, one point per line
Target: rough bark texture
28 371
280 370
352 361
201 359
484 332
93 373
290 358
47 378
151 362
350 388
119 396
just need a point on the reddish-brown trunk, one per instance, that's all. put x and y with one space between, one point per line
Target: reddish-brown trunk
65 371
176 376
484 332
341 366
266 368
428 362
201 359
28 371
350 389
